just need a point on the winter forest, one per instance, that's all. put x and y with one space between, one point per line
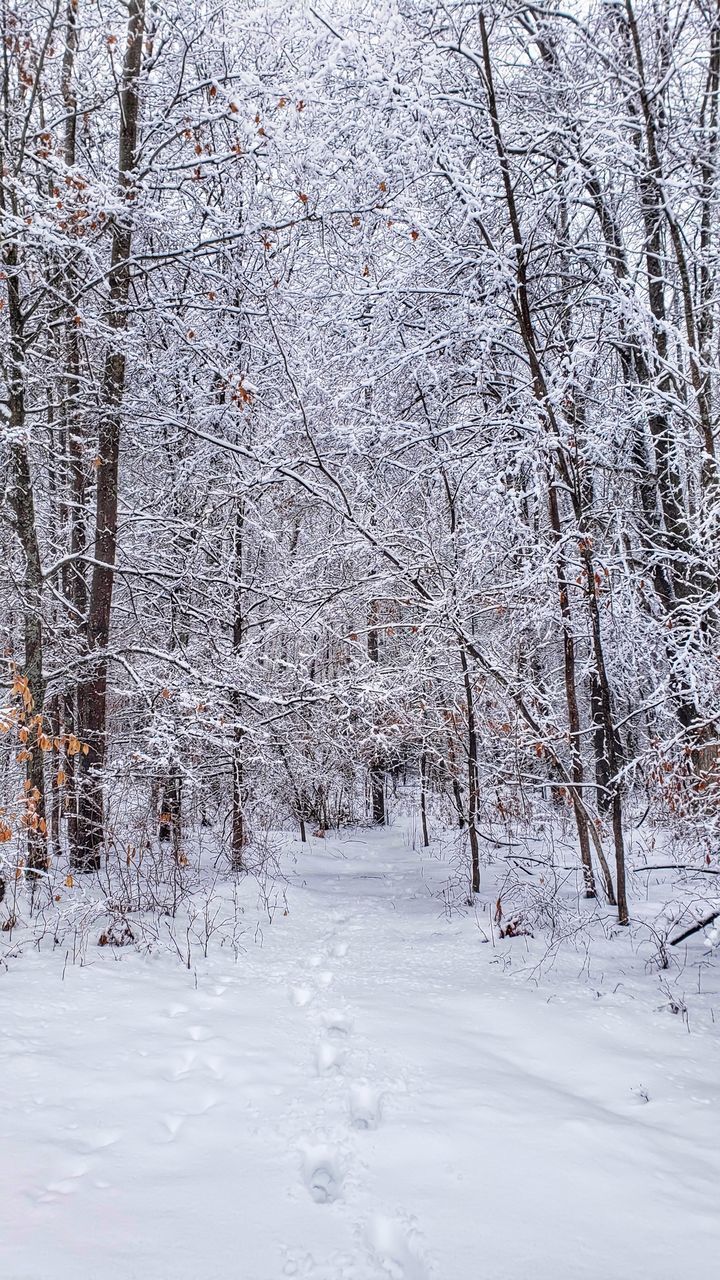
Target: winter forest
360 639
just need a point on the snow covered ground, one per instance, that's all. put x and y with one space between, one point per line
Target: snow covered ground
369 1090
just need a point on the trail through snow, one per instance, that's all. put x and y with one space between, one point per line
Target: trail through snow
371 1092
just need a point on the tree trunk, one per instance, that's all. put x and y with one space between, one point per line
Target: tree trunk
423 800
92 691
239 830
22 503
74 578
377 764
473 787
170 815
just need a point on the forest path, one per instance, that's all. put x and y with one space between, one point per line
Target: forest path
370 1091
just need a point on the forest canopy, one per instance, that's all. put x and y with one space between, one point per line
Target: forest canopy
359 421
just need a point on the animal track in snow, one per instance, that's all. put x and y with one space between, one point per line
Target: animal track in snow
365 1105
215 1066
173 1122
396 1249
301 996
176 1010
190 1063
327 1057
185 1065
334 1020
340 949
200 1033
172 1125
324 978
63 1186
322 1173
96 1140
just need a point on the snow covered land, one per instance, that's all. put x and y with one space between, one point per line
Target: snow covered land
366 1089
359 640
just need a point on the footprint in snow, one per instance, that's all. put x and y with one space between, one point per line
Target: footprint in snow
189 1063
335 1021
177 1010
214 1066
322 1173
340 949
327 1057
172 1124
324 978
396 1248
96 1140
200 1033
184 1065
301 996
63 1186
365 1103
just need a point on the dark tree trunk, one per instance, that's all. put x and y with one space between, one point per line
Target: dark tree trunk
609 733
377 764
22 502
602 770
92 691
239 830
170 816
74 579
423 799
473 784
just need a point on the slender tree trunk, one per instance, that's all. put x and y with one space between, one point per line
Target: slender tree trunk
22 501
74 578
473 782
377 764
170 818
92 692
239 830
423 800
609 735
55 794
602 769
